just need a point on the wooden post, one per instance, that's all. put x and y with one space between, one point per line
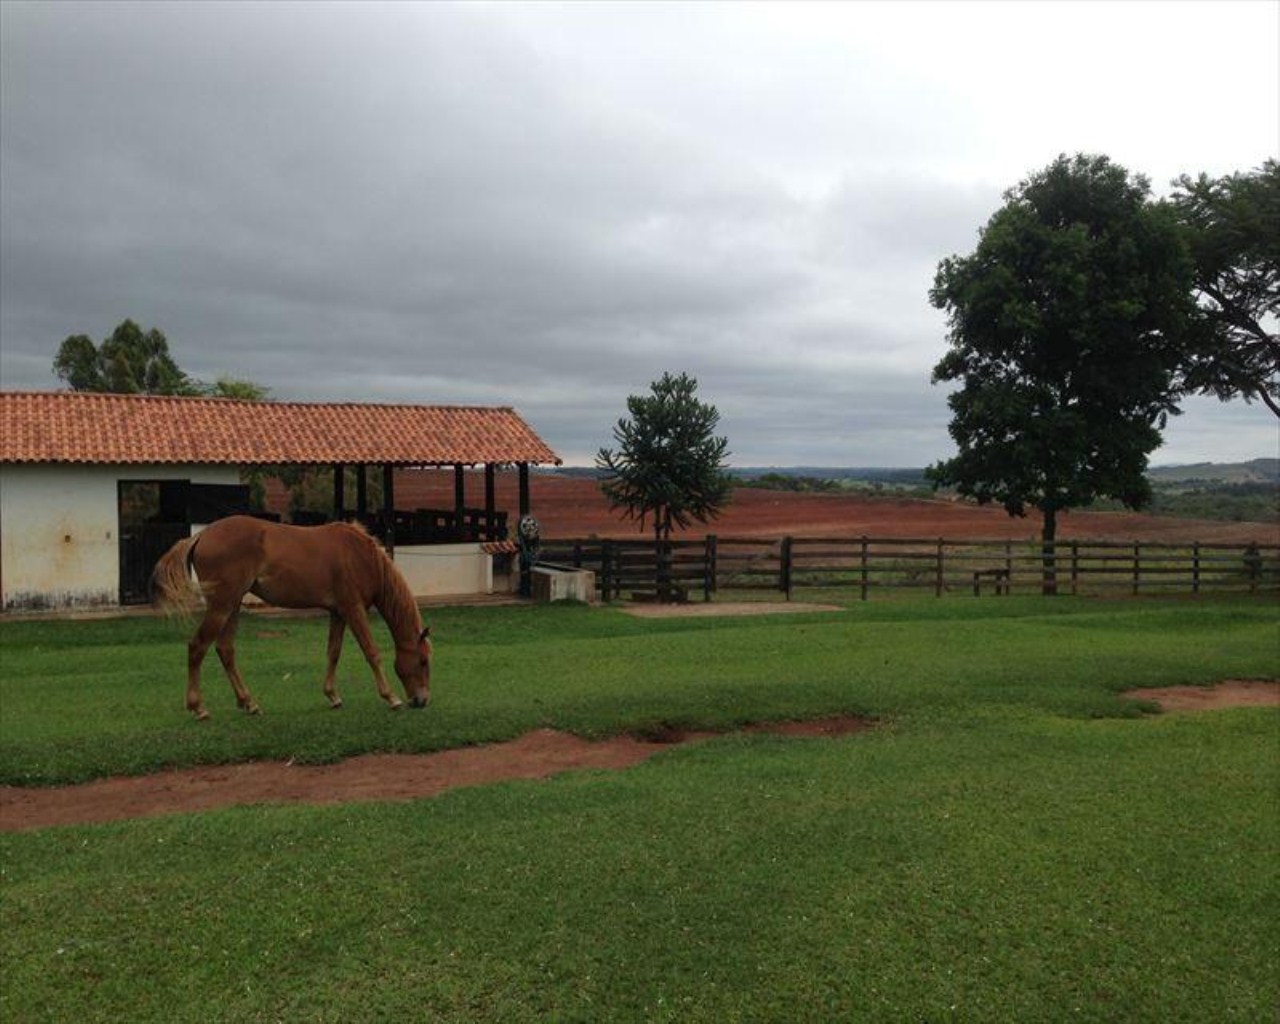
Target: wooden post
1075 566
389 507
606 570
459 499
524 489
1137 566
339 494
1195 568
362 492
1253 566
709 569
490 503
785 580
937 587
864 567
1008 567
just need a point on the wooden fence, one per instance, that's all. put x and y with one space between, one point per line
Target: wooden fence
682 569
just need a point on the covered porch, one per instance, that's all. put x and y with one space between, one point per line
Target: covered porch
415 515
450 529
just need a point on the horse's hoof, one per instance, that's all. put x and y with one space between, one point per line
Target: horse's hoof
396 705
253 709
201 715
335 705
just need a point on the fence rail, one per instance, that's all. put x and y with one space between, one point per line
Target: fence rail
682 568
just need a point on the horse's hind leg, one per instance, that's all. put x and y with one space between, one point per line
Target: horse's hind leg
197 647
227 655
359 623
336 630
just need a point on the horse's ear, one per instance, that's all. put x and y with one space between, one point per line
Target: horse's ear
425 634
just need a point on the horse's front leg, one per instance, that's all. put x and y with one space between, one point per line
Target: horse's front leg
358 621
227 655
337 628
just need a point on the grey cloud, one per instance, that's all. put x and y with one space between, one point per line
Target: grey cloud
540 206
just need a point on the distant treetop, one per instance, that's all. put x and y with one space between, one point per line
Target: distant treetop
133 361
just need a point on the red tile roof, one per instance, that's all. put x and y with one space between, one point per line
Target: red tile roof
69 426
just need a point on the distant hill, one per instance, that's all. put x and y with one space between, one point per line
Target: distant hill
1226 491
1263 471
1255 471
901 475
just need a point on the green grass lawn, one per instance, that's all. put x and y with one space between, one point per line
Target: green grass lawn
1014 843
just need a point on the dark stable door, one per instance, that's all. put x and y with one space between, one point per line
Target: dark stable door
141 546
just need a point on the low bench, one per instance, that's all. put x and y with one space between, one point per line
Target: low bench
1000 576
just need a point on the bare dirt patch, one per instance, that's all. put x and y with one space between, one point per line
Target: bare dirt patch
372 777
1233 693
574 507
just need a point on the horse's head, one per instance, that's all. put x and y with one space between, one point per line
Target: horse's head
413 666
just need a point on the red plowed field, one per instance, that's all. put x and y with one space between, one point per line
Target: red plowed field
568 507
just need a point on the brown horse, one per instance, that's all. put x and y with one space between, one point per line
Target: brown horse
337 566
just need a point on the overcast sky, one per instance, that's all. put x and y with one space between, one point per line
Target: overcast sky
548 206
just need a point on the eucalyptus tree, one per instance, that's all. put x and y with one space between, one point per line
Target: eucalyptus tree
131 361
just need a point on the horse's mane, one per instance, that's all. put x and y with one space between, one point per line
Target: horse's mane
395 599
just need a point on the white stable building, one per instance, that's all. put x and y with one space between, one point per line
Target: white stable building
95 487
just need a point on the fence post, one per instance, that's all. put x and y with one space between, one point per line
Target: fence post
937 587
1195 567
1253 566
864 567
1075 566
709 569
1137 566
1008 568
785 580
606 570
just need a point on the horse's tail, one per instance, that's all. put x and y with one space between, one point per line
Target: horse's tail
172 587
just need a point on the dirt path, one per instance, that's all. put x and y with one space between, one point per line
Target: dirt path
1233 693
536 755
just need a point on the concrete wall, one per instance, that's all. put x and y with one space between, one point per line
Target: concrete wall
445 569
60 538
59 530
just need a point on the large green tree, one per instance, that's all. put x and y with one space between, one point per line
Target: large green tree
1065 326
1232 226
132 361
669 467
